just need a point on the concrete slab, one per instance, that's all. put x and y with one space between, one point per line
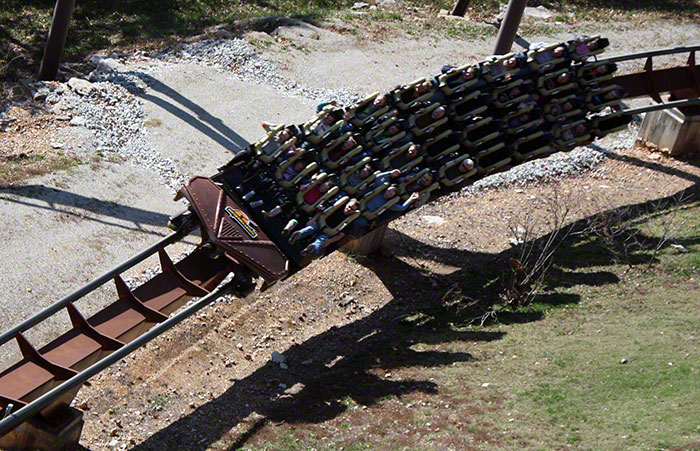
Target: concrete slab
671 131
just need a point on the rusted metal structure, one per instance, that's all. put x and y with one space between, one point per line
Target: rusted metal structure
469 121
460 8
682 82
509 26
56 39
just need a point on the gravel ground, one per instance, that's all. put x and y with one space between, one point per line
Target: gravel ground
238 57
116 118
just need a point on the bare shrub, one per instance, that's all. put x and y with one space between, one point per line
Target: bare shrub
532 255
635 234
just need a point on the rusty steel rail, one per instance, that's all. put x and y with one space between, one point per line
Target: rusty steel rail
46 377
649 54
664 106
683 81
13 420
89 287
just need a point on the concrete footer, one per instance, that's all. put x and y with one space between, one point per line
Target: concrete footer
61 431
671 131
369 242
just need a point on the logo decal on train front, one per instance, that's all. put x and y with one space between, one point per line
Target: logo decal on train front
242 220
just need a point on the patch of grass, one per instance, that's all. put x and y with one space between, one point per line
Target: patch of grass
159 401
467 30
153 122
16 168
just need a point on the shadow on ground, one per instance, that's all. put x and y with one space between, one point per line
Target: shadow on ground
341 361
77 206
652 165
197 117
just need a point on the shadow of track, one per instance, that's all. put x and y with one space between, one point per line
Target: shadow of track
342 362
79 206
197 117
649 164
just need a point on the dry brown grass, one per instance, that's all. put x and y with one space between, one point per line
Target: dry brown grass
25 147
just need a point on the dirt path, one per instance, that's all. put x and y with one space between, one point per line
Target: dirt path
365 65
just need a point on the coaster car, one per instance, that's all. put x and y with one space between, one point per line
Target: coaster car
423 192
549 84
524 121
450 175
364 113
307 170
499 68
532 146
317 132
608 96
399 159
328 212
412 178
513 93
422 122
583 48
308 187
468 106
566 136
440 145
405 98
493 158
346 177
453 82
482 131
334 156
594 74
547 59
267 148
563 108
377 137
610 123
377 191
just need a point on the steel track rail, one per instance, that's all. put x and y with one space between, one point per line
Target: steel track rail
680 80
649 54
25 413
664 106
89 287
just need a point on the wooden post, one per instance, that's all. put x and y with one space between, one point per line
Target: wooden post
368 243
460 8
509 26
56 40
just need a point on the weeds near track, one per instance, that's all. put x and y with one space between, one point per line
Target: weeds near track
527 269
633 242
